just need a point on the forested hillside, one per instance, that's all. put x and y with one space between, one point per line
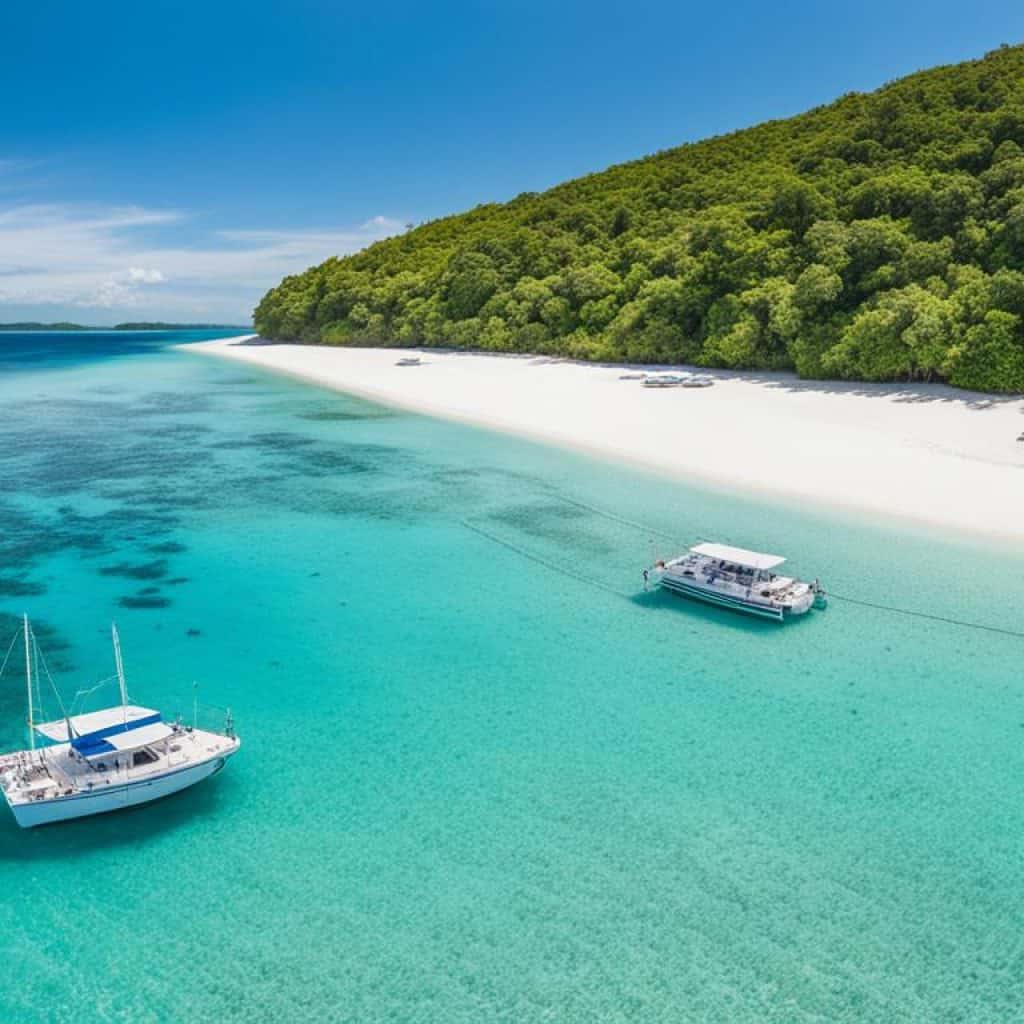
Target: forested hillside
880 237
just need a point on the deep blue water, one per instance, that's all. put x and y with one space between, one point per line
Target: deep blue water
52 349
483 776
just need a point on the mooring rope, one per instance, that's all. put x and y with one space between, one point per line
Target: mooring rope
1019 634
699 538
618 519
553 566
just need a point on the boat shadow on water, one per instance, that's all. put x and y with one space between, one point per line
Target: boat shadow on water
131 825
698 612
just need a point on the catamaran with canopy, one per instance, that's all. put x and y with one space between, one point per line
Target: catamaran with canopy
103 760
739 579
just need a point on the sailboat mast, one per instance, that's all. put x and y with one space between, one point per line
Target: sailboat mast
120 673
28 683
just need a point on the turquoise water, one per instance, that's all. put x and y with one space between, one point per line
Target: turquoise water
474 786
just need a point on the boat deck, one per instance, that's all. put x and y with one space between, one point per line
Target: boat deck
56 771
739 579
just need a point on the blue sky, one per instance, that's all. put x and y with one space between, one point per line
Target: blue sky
173 160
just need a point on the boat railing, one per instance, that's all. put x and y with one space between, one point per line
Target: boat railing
205 717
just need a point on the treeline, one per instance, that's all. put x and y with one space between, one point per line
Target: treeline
880 238
32 325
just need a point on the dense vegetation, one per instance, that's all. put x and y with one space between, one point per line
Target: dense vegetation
880 237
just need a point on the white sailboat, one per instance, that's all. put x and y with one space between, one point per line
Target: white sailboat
104 760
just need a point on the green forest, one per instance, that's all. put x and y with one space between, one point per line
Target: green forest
880 237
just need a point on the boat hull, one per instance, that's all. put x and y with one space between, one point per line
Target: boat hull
115 797
683 589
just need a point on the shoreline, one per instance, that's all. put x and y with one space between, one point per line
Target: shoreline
926 454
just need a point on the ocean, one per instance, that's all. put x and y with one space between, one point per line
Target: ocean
484 776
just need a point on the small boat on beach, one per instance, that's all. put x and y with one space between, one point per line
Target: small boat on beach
738 579
103 760
409 361
672 380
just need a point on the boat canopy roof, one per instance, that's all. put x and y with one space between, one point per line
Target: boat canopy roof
94 731
110 720
738 556
133 739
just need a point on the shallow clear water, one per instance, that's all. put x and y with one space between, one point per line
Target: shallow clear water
483 776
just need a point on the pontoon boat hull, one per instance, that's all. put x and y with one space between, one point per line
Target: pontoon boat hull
678 586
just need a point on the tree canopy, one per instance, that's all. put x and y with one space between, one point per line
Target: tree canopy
880 237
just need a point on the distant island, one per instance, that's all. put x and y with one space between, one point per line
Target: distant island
143 326
880 238
33 326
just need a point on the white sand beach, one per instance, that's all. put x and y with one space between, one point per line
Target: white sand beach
927 453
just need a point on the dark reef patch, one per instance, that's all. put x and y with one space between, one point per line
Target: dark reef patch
68 410
179 432
168 547
562 523
145 571
271 441
539 516
330 463
144 600
176 581
25 537
53 646
162 403
349 459
154 497
12 587
453 475
343 416
383 507
73 461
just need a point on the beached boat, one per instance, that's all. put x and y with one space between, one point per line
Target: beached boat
738 579
409 361
104 760
673 380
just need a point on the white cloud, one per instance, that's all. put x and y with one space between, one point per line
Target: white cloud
139 275
86 256
380 223
109 295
